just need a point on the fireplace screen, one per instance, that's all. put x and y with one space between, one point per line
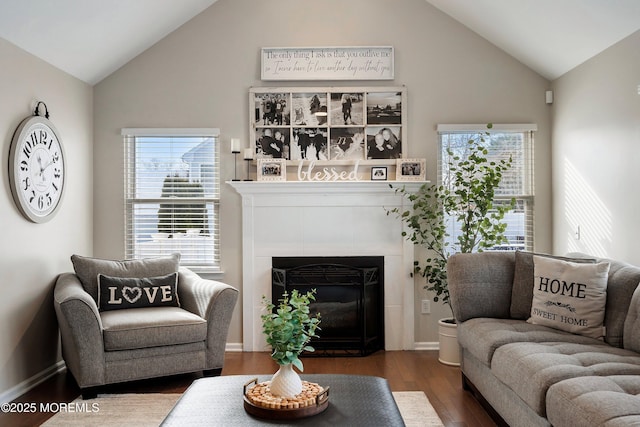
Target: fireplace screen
349 299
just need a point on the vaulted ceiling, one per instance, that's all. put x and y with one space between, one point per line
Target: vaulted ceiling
90 39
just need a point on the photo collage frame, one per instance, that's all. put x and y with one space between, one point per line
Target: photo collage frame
337 125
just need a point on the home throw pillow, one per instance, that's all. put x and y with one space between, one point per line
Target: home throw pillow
522 290
87 269
123 292
569 296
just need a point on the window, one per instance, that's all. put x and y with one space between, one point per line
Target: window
172 194
504 141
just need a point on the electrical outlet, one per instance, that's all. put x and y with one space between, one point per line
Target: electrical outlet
426 306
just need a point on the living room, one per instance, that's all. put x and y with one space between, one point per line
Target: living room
199 76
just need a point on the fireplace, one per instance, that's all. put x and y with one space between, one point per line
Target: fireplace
312 219
349 298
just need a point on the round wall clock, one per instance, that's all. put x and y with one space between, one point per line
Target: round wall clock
37 168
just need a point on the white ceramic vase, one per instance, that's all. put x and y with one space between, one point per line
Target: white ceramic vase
286 382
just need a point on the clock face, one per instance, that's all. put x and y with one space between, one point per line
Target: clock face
37 169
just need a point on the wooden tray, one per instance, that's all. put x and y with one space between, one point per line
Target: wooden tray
322 402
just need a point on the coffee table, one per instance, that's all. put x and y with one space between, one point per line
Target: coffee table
354 400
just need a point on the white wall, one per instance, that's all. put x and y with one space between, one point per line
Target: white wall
596 153
32 255
199 76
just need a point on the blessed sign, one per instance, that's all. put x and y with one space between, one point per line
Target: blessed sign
326 174
328 63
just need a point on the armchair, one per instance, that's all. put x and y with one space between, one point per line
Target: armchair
104 347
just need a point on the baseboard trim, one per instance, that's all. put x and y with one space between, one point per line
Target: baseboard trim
29 383
233 347
428 345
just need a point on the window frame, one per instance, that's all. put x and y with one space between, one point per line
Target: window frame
132 199
526 198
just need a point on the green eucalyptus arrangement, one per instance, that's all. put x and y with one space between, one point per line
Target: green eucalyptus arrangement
465 197
289 327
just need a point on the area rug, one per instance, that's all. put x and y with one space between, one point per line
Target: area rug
148 410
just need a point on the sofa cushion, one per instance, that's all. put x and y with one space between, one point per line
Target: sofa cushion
623 281
595 401
543 364
632 323
482 336
151 327
115 293
483 283
570 296
87 269
522 290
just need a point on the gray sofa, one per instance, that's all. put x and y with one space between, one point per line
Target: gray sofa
533 375
103 347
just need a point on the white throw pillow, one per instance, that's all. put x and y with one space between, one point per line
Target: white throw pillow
569 296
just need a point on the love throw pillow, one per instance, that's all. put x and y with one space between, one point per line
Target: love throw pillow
119 292
569 296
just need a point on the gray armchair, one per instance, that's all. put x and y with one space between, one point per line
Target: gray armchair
104 347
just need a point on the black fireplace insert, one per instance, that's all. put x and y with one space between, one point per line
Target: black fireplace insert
349 298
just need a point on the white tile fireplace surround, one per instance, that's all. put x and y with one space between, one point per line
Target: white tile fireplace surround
297 218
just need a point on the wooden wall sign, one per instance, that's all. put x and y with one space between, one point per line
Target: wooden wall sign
328 63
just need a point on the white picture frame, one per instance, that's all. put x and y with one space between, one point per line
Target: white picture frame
329 125
411 169
272 170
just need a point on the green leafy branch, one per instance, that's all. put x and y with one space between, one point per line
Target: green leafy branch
289 327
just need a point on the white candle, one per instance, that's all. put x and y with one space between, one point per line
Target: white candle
248 154
235 145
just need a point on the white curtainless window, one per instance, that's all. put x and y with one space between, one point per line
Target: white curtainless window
504 141
172 195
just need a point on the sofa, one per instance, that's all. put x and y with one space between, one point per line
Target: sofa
136 319
531 374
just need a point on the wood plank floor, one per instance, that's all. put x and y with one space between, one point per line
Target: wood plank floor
405 371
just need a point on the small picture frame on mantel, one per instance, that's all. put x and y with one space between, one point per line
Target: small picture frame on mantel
378 173
272 170
411 170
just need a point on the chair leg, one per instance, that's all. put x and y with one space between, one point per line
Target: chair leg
89 393
212 372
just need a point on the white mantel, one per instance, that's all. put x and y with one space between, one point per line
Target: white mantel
298 218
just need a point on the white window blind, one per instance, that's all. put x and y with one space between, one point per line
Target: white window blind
515 141
172 195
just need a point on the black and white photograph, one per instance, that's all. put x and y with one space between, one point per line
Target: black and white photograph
272 109
347 144
309 109
272 170
384 108
309 144
378 173
272 143
384 142
347 108
410 170
341 124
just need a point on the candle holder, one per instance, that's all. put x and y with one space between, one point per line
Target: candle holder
235 166
235 149
248 156
248 168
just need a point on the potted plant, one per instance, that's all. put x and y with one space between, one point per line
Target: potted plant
466 197
289 327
